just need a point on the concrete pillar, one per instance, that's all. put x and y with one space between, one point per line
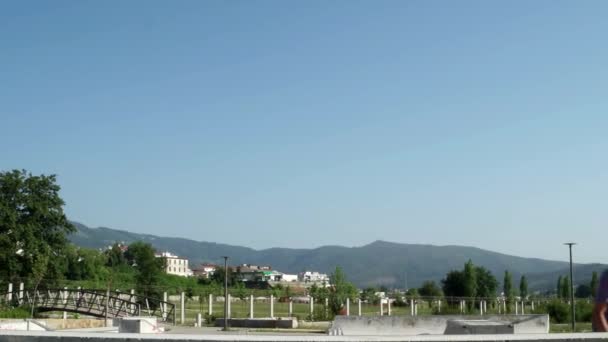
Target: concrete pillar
481 307
271 306
523 310
164 306
65 315
9 294
347 306
326 306
439 306
311 303
532 306
412 307
182 307
485 306
516 308
199 319
210 304
290 308
65 301
133 299
381 306
251 306
388 306
359 312
415 308
504 306
21 288
229 299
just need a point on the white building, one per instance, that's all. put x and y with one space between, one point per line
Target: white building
313 277
289 277
175 265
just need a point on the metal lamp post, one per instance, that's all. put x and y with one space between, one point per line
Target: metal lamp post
225 293
570 244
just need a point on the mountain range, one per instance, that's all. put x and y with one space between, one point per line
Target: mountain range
378 263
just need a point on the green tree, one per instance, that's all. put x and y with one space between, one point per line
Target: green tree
523 287
507 286
470 280
559 287
486 283
340 290
583 291
565 290
430 289
453 284
369 295
594 283
32 221
149 268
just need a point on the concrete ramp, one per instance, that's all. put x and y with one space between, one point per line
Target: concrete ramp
439 325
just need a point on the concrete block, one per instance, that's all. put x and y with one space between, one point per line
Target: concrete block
260 323
477 327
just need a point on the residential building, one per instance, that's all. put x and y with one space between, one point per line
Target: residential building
204 270
313 277
175 265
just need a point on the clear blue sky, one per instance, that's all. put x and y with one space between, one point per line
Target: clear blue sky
300 124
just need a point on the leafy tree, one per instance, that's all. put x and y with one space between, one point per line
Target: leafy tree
453 284
218 276
430 289
565 290
149 268
32 222
486 283
507 286
115 256
559 287
470 279
340 290
594 283
413 293
239 291
523 287
369 295
583 291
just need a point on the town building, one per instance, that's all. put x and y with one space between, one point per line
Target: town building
175 265
313 277
204 270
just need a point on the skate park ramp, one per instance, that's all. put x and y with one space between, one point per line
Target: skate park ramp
439 325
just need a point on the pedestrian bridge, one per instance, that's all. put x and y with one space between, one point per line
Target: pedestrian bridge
97 303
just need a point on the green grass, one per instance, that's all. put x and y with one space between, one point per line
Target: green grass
566 328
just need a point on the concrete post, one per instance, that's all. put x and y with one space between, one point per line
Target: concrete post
481 307
21 293
523 310
9 294
516 308
485 306
388 306
65 301
271 306
326 306
182 307
347 306
210 304
415 308
439 306
532 305
133 299
199 319
290 308
381 306
251 306
504 306
311 302
411 307
164 306
229 299
359 312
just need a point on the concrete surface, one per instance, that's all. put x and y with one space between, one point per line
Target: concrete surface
55 336
141 325
23 324
259 323
477 327
429 325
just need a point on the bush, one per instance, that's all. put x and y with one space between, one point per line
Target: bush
15 313
558 311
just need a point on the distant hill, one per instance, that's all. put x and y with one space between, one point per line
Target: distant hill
378 263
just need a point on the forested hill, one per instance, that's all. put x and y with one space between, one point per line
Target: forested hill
378 263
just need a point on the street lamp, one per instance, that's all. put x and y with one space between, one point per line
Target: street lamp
570 244
225 293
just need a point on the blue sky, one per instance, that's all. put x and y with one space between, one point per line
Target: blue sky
300 124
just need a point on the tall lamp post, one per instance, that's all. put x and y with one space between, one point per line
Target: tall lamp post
225 293
570 244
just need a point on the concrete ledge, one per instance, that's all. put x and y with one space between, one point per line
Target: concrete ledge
259 323
54 336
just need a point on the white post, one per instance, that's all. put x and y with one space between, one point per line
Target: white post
381 306
481 307
251 306
326 307
210 304
65 301
485 306
311 302
9 294
347 306
415 308
411 307
516 308
199 320
229 299
523 310
439 306
504 306
133 299
532 305
388 306
271 306
290 308
182 303
359 312
21 287
164 306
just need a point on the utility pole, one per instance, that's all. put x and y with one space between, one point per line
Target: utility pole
570 244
